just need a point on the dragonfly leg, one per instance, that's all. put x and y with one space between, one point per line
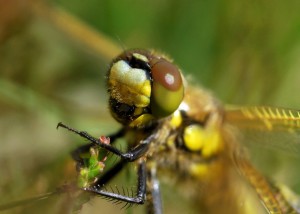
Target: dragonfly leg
141 188
76 154
154 204
130 156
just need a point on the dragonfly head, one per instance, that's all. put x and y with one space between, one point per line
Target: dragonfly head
143 87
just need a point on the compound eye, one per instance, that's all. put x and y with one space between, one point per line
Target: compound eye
167 89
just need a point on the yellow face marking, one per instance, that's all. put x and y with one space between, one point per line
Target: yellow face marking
140 57
138 111
141 120
129 85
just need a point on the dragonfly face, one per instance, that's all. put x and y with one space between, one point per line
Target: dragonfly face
143 87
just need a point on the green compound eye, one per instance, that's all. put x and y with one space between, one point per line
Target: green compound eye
167 88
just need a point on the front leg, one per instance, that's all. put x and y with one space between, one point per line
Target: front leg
130 156
84 149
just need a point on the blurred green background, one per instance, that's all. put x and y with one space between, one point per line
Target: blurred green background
247 53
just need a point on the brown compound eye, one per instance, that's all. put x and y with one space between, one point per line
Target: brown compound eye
167 87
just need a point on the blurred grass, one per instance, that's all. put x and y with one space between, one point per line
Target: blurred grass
246 53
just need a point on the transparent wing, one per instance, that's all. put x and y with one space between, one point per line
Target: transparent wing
65 199
272 127
270 195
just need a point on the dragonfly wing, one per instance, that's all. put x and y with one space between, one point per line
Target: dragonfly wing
270 195
270 127
65 199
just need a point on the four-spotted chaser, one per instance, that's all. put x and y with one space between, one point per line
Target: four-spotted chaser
182 133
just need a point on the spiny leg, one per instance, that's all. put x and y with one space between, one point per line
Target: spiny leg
101 182
131 155
141 188
78 152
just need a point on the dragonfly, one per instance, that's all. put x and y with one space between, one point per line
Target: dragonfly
182 132
194 141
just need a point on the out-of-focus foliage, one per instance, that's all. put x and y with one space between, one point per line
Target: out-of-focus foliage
245 52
